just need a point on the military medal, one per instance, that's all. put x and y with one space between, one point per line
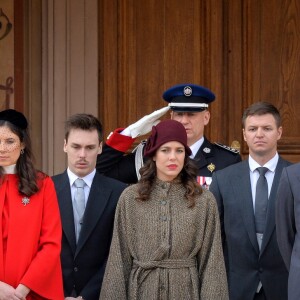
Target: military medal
201 180
208 181
204 181
25 201
211 167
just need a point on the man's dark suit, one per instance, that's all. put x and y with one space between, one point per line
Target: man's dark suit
245 264
83 265
288 224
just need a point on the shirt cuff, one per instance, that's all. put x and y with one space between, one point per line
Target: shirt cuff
118 141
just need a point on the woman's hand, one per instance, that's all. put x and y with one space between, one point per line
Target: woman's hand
22 291
7 292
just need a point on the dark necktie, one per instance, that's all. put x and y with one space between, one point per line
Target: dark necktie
79 204
261 200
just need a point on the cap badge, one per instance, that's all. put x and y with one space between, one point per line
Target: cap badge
25 201
187 91
211 167
206 150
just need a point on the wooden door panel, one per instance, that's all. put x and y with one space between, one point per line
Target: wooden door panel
270 42
243 50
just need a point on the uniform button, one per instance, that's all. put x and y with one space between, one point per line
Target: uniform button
164 186
75 269
163 202
260 270
163 218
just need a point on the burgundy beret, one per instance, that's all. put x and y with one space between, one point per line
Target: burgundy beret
166 131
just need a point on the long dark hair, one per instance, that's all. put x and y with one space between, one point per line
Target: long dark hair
187 177
25 169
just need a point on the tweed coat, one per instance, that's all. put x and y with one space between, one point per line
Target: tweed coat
162 249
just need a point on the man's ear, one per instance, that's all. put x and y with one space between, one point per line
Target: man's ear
100 148
206 117
244 135
65 145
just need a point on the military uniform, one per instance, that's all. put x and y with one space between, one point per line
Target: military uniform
213 157
113 163
187 98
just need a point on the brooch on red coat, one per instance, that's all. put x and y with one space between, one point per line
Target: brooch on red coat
25 201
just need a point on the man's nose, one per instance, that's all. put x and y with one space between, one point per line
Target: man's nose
82 152
184 119
259 132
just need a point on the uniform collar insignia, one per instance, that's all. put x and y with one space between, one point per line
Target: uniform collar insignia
206 150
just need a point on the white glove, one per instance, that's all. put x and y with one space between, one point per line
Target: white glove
144 125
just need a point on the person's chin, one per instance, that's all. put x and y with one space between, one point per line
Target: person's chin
261 151
173 173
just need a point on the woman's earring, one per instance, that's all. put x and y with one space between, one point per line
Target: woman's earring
22 151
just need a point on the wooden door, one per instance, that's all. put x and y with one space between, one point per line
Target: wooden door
244 51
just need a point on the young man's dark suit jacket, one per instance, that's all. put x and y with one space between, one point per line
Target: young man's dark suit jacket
83 265
288 225
245 264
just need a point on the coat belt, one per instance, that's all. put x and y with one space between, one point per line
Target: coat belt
143 268
165 263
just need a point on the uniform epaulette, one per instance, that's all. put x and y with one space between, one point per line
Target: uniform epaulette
228 148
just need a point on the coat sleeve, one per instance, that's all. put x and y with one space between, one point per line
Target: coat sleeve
114 161
116 277
115 164
215 189
211 265
44 276
285 218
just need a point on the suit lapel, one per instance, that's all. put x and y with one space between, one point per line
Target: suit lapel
66 209
97 201
242 186
270 223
